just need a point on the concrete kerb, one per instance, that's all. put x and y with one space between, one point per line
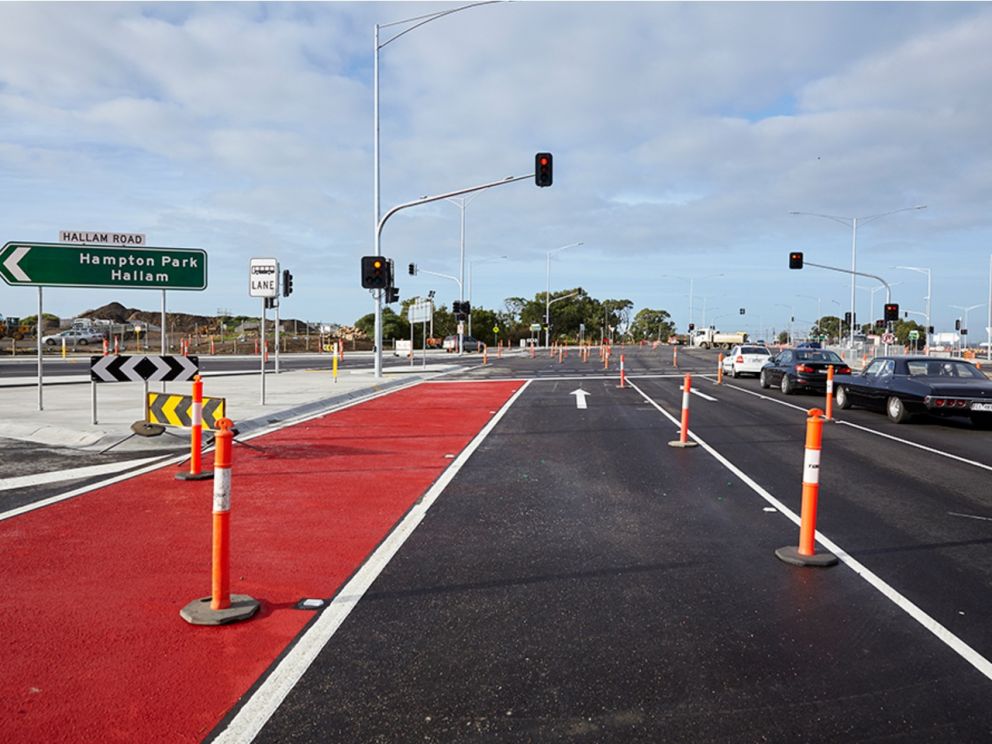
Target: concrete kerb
290 395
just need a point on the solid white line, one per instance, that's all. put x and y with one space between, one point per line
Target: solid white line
877 433
37 479
965 651
701 395
263 703
970 516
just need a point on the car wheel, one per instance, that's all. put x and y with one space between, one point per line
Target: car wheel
763 380
50 342
787 387
896 410
83 342
843 401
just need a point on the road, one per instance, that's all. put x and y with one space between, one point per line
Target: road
570 577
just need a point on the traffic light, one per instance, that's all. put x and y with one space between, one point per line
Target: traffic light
796 260
392 295
287 283
413 269
891 312
930 330
957 324
742 311
692 326
466 307
542 169
456 307
375 272
847 318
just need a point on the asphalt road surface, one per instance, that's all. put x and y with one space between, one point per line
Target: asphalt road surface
571 577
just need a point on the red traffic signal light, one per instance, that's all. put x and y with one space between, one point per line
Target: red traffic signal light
543 169
796 260
891 311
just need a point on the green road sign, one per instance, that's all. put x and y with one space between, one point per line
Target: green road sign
535 327
62 265
913 335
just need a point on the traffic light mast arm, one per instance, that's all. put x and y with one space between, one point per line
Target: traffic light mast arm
888 289
439 197
443 276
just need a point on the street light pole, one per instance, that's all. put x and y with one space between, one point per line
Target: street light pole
966 310
376 46
547 295
853 221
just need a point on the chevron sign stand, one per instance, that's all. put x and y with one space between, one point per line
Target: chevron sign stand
140 368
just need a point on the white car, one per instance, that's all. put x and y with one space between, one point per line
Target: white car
747 359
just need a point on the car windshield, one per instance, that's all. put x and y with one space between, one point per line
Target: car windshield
755 350
818 355
943 368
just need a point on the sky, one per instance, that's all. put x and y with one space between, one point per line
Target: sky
683 136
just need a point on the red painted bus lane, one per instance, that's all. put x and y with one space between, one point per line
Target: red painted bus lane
93 645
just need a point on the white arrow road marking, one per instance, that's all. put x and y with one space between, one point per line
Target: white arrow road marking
13 259
580 397
24 481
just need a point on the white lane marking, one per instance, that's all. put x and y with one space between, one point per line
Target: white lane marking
701 395
38 479
269 696
969 516
580 398
877 433
961 648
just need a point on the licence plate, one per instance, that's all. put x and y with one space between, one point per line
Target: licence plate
981 406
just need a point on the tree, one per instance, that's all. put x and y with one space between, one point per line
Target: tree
783 337
652 324
393 325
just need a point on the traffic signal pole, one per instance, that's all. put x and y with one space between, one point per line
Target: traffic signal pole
378 245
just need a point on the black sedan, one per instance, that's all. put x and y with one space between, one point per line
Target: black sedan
805 369
907 386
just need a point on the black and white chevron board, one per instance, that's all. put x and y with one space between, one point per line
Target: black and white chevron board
141 368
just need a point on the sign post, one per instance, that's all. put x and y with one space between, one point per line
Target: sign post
263 281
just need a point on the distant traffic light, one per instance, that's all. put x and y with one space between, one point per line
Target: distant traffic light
891 312
796 260
392 295
847 318
375 272
930 330
742 311
692 326
542 169
413 269
957 324
287 283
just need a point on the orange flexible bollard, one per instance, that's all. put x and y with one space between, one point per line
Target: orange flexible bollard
675 357
830 392
212 352
221 607
805 554
256 346
606 360
623 379
533 351
719 369
196 437
485 355
117 347
683 440
266 350
106 347
561 354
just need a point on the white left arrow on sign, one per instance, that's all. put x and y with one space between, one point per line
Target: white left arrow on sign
11 264
580 397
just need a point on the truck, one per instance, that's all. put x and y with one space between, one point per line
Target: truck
706 338
10 326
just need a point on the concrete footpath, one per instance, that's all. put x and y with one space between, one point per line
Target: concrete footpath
66 420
